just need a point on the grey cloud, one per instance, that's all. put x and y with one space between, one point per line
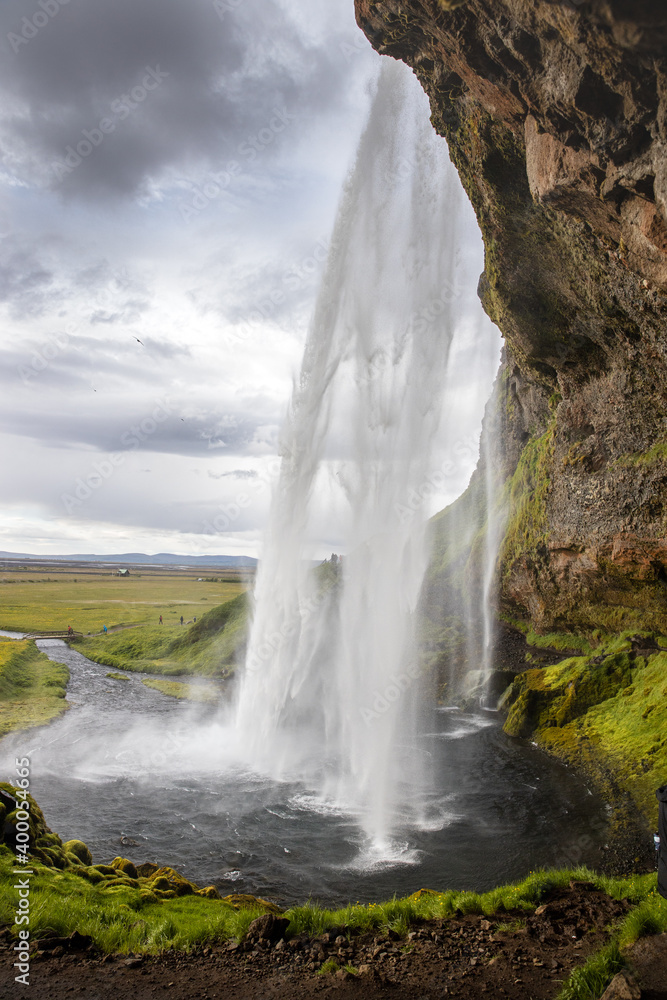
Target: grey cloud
104 426
165 349
41 280
26 283
76 367
225 81
105 317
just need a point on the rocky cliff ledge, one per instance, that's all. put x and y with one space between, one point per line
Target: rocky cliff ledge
556 118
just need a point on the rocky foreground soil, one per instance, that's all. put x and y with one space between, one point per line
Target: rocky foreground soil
513 956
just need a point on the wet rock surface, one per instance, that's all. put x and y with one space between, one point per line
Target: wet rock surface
556 119
511 955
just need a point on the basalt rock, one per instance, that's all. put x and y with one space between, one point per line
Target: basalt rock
268 927
555 113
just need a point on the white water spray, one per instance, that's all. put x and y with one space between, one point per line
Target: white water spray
330 691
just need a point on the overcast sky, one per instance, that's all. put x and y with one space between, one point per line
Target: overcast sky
170 175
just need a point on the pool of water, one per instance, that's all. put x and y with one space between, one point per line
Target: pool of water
133 772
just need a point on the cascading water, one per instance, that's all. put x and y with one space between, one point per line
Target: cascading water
496 515
331 688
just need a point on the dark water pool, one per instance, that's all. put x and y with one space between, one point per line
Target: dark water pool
132 772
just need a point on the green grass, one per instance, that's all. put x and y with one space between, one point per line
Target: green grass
29 603
328 968
174 689
591 980
117 677
331 966
648 917
122 919
32 688
210 647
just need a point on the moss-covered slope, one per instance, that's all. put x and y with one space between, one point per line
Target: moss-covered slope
605 712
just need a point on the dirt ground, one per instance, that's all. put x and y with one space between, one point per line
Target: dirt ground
509 957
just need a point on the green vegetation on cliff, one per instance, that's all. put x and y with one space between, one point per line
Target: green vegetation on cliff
32 688
527 534
605 713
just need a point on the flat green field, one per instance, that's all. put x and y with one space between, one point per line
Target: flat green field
32 601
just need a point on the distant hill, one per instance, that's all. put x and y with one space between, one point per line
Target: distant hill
138 559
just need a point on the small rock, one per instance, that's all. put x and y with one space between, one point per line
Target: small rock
622 987
133 963
268 927
79 942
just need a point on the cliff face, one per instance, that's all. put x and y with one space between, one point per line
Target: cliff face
556 118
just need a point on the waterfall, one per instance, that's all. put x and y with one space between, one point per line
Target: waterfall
496 517
331 690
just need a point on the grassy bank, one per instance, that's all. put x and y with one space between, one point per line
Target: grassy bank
187 692
604 711
32 688
209 647
31 602
128 918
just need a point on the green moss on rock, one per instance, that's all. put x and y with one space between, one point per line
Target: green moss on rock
124 866
606 714
80 851
527 533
